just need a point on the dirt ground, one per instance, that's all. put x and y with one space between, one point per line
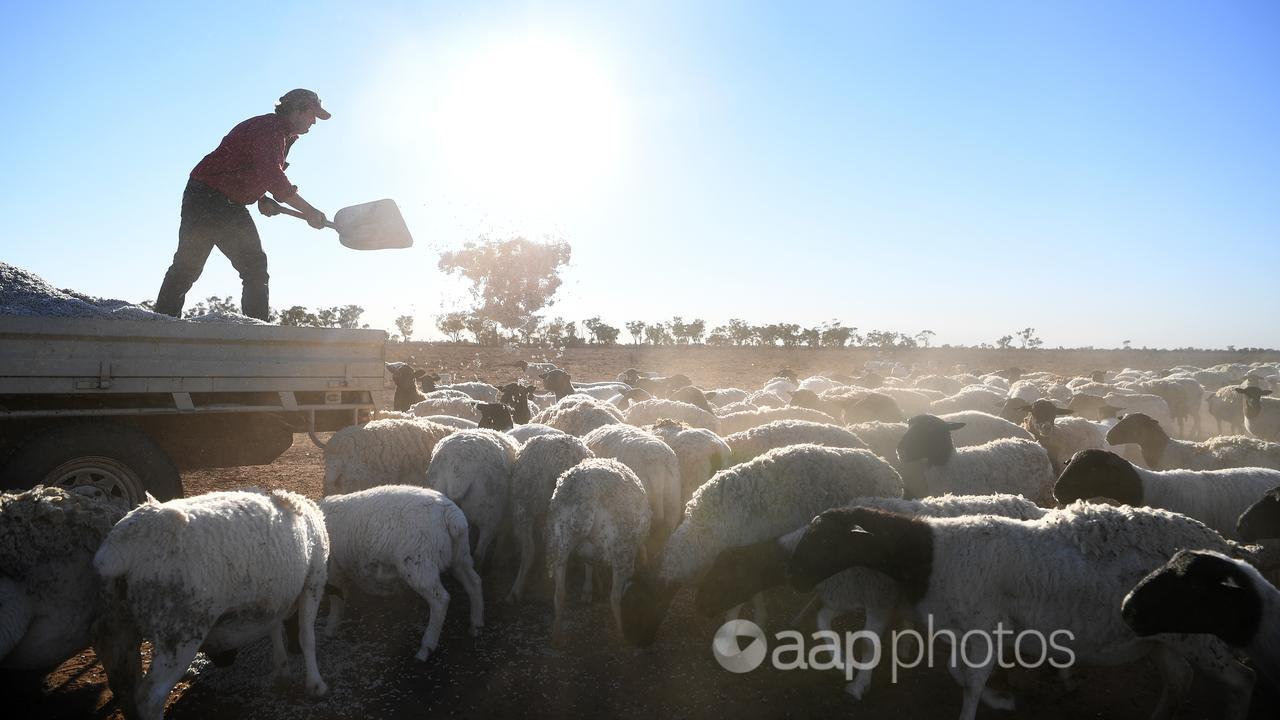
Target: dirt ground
512 668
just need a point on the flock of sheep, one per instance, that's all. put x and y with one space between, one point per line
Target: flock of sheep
1039 501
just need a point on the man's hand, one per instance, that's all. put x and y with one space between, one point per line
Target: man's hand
268 207
316 219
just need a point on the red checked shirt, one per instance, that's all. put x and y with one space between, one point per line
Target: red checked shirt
250 161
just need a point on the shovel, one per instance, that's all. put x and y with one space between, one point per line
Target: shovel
375 225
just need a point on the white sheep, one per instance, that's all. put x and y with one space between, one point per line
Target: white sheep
979 428
1162 452
394 535
700 452
211 572
740 573
479 391
1214 497
1060 578
460 406
758 440
1201 591
1225 405
1153 406
648 412
578 414
1008 465
381 452
452 421
652 460
1261 414
719 397
970 397
524 433
598 512
540 462
473 469
747 503
745 420
48 590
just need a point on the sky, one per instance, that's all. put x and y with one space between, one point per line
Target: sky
1099 171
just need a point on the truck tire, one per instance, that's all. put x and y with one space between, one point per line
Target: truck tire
118 459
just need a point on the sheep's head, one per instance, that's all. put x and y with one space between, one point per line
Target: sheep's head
1262 520
645 601
806 399
494 416
787 373
1043 414
1015 410
739 573
872 407
842 538
1137 428
1252 400
1098 473
1196 592
558 382
693 396
928 437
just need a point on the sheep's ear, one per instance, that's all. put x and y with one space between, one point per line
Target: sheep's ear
1230 582
952 427
857 530
1265 392
151 500
419 373
1063 411
1238 389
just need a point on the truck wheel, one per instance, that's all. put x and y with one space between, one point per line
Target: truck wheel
118 459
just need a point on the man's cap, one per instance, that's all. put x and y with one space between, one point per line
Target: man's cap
299 96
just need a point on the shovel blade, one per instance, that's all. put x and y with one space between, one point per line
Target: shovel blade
375 225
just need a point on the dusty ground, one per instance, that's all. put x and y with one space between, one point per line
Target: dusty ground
513 670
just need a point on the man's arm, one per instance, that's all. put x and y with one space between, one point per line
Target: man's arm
315 218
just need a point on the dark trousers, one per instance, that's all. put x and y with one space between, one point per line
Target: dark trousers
210 220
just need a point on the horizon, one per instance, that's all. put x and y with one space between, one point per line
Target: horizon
1097 173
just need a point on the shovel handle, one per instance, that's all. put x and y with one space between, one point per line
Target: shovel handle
290 211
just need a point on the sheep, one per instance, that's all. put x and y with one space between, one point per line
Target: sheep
910 401
457 405
623 400
769 399
1162 452
747 503
652 460
818 383
534 371
48 590
560 383
1183 396
406 379
1214 497
211 572
740 573
1201 591
808 399
578 415
1020 467
736 407
598 512
758 440
1261 414
524 433
1226 405
386 537
456 423
478 391
979 428
1153 406
1262 520
662 386
940 383
720 397
381 452
516 397
1061 576
700 452
540 462
693 396
473 469
970 397
648 412
747 419
873 407
1060 434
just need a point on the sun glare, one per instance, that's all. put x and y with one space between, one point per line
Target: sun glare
530 127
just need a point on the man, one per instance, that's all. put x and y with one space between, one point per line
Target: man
248 163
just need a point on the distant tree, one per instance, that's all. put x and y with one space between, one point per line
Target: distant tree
679 330
1029 339
404 323
636 328
836 335
483 329
695 330
924 337
452 324
348 317
298 316
602 333
213 304
1126 344
740 332
1005 342
719 336
571 337
554 332
811 337
657 334
528 330
511 279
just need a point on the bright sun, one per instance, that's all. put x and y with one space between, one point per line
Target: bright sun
532 126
